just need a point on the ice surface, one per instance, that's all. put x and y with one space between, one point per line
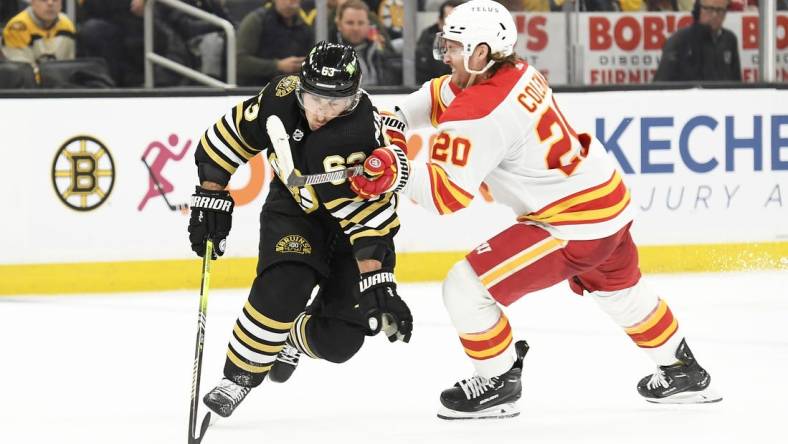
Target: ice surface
117 369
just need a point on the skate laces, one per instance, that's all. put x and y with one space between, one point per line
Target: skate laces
232 390
657 379
476 386
289 354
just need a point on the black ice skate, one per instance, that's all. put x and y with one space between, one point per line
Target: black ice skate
685 382
481 398
225 397
285 364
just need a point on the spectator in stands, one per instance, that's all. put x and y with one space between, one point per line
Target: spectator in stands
513 5
204 40
112 30
308 12
378 31
8 9
661 5
353 28
630 5
704 51
426 65
588 5
272 40
392 16
40 32
538 5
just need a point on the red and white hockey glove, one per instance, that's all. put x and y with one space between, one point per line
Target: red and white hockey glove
394 129
385 170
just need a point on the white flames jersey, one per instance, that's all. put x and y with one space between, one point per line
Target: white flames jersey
508 134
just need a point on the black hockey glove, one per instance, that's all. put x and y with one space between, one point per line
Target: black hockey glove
211 218
382 307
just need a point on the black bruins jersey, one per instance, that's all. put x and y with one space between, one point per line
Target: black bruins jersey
241 134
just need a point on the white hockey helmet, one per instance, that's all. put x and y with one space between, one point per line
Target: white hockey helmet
481 21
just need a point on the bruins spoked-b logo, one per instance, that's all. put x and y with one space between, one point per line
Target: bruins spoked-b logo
286 86
293 243
83 173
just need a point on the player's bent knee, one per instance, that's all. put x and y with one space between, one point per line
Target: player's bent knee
463 293
337 341
627 303
283 289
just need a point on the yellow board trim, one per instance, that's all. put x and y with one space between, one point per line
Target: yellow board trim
163 275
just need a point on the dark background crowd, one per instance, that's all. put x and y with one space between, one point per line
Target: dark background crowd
42 47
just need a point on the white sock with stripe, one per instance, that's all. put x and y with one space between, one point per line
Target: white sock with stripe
483 328
645 318
298 336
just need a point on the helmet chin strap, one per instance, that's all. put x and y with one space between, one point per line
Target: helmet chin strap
474 72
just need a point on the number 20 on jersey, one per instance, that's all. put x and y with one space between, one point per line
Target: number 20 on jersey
451 149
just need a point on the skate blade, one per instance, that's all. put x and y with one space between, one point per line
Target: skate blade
706 396
509 410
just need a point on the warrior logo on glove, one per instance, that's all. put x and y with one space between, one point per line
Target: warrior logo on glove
384 309
211 218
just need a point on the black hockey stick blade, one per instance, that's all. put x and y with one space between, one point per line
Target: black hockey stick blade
158 186
297 180
206 421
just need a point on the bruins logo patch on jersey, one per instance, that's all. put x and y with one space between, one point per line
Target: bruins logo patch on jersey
286 86
293 243
17 26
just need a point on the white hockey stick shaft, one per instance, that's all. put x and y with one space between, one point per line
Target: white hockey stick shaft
284 157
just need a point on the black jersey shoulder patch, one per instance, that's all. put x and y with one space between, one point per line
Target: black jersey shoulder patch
286 86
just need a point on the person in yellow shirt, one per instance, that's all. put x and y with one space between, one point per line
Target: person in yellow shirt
40 32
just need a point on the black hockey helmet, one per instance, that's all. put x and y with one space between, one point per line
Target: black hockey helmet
331 71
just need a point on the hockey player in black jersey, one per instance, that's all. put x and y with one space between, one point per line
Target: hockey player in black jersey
316 235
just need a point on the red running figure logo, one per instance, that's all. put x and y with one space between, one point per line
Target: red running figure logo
157 184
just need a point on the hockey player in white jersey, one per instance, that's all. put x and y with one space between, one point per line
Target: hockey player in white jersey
499 124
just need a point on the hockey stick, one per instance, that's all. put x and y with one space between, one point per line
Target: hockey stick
160 190
296 180
284 159
197 368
